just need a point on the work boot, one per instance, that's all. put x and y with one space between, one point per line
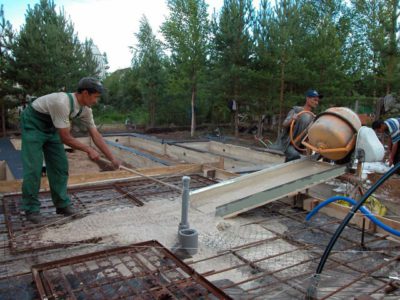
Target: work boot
66 211
34 217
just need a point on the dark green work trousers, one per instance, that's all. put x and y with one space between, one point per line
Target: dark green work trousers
41 139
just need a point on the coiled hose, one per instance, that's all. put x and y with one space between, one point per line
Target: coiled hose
312 289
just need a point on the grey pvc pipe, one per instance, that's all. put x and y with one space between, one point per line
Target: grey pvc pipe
184 224
189 240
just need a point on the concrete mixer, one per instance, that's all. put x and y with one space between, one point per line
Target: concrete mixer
337 132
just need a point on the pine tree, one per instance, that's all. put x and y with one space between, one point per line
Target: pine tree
148 62
48 54
377 29
233 52
186 32
7 84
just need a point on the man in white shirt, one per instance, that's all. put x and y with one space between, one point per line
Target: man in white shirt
45 128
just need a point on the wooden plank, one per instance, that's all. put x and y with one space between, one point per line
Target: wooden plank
233 152
340 212
240 194
137 158
3 174
240 152
150 144
14 186
235 157
194 156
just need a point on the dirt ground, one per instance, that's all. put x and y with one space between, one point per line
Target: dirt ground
79 163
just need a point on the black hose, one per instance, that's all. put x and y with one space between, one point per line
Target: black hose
312 290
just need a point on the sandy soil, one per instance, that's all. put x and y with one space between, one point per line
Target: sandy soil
79 163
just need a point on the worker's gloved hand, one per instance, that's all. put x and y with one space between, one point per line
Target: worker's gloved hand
116 164
93 154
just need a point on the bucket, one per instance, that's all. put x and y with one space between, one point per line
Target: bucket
333 133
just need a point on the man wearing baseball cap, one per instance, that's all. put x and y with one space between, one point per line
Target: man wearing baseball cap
45 128
302 122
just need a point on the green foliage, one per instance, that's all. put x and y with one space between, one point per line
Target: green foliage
186 32
148 62
265 58
6 42
109 115
376 31
122 90
48 55
233 53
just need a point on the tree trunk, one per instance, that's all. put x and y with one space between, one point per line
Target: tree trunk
281 95
237 121
152 114
236 97
260 126
393 56
193 125
3 119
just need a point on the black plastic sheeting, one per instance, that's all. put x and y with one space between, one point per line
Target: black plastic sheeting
11 156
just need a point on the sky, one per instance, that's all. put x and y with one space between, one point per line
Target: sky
111 24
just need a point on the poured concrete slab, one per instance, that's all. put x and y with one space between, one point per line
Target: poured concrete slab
246 192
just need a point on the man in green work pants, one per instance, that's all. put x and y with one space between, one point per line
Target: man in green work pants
45 128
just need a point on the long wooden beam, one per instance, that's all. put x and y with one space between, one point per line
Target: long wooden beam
14 186
243 193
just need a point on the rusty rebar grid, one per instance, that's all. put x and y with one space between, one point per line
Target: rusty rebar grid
145 189
289 281
25 236
145 270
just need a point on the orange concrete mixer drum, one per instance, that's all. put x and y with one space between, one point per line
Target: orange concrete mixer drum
333 133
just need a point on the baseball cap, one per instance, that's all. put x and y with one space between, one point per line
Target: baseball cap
91 84
313 93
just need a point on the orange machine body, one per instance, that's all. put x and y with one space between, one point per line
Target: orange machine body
333 133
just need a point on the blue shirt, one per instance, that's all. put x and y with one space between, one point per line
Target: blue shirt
393 125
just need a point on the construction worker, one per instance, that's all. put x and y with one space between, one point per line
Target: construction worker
391 127
302 122
45 125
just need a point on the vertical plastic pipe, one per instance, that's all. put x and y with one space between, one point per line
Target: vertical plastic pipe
184 224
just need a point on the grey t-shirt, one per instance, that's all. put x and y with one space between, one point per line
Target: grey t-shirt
58 107
285 139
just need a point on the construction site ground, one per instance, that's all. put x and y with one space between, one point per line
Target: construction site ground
269 252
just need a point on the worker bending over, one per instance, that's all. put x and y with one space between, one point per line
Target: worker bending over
391 127
302 122
45 128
